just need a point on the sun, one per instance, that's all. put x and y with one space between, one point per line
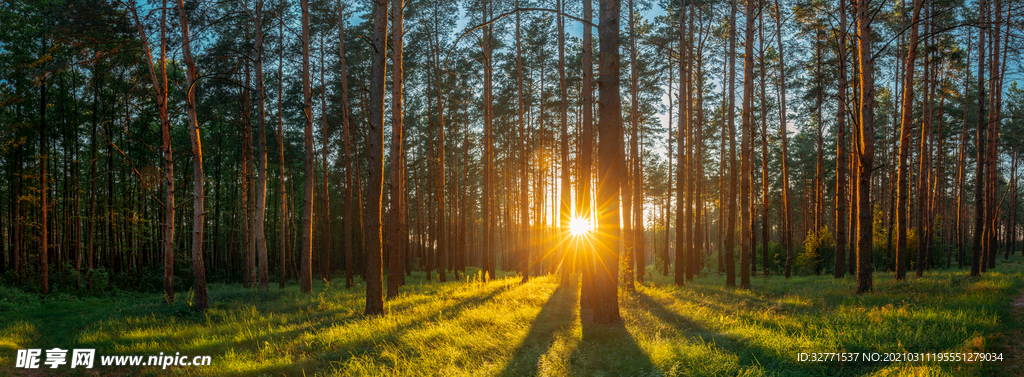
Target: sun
579 226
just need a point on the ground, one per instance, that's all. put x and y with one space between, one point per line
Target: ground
506 328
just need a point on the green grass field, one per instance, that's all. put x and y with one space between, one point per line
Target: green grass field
510 329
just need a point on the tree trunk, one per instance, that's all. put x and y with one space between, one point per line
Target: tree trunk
979 174
488 165
159 80
439 171
923 169
866 149
349 159
397 220
325 197
764 147
995 88
198 212
44 268
905 130
638 174
261 157
682 212
840 258
668 192
633 216
283 221
524 187
730 228
745 147
586 256
610 160
306 273
375 163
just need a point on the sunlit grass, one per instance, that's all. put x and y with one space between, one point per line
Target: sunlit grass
506 328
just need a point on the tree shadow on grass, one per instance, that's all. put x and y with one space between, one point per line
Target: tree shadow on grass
556 317
609 350
748 354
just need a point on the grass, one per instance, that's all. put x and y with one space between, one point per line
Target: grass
505 328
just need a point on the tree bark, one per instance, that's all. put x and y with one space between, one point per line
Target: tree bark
198 212
840 258
610 161
524 186
745 147
397 221
730 228
306 273
159 79
488 197
375 164
682 212
979 174
261 157
866 149
350 206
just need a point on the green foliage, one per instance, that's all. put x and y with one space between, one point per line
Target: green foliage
98 281
14 299
66 280
819 249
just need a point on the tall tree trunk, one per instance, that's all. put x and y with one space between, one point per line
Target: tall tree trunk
44 268
439 171
586 256
198 212
905 131
524 219
730 228
690 225
866 149
682 207
634 151
283 221
325 197
261 157
979 174
631 192
961 205
306 278
923 170
745 147
565 194
397 220
723 186
764 146
668 192
995 87
610 160
350 207
158 76
840 258
488 165
375 163
248 188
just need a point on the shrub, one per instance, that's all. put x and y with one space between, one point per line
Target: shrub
98 281
819 247
13 299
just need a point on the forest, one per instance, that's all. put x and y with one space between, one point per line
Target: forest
514 187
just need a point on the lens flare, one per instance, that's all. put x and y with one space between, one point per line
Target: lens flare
579 226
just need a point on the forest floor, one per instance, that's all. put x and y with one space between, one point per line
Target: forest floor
506 328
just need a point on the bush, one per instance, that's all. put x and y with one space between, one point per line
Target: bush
14 299
66 280
98 281
819 249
